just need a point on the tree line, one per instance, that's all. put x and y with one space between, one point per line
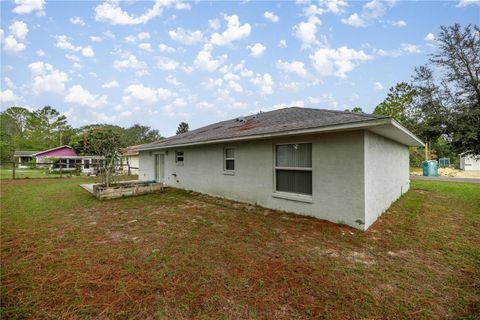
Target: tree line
46 128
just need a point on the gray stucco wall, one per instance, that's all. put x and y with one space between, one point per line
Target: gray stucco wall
386 174
355 175
337 175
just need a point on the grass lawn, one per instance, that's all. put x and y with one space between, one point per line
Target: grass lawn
181 255
6 173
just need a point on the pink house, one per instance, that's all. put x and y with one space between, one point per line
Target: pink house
68 159
58 152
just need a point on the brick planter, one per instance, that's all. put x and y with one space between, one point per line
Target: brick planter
126 189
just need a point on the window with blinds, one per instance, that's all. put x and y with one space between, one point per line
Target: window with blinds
229 159
293 168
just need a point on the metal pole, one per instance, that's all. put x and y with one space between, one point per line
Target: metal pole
13 170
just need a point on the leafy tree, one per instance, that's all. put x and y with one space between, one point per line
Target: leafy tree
398 104
355 109
458 59
138 134
7 137
104 142
182 127
45 127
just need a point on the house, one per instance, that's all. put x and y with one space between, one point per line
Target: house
22 158
65 157
339 166
469 162
129 159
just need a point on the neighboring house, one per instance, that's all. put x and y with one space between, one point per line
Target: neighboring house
22 158
130 159
67 159
469 162
339 166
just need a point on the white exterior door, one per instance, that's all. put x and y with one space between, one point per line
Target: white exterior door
160 167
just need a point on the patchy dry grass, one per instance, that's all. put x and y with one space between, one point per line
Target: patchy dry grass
184 255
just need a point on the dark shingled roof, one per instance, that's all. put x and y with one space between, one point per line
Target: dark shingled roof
277 121
24 153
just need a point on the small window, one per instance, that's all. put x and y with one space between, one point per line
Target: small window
229 159
293 168
179 157
86 164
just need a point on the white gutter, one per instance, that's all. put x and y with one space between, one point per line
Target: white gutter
348 126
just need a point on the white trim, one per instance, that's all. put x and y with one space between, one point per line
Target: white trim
225 170
290 195
293 196
396 124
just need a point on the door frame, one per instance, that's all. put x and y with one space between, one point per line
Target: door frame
159 167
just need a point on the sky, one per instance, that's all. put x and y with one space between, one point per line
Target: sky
161 62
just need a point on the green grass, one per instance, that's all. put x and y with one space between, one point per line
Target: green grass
184 255
6 173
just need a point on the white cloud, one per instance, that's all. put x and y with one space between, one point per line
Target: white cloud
110 84
204 105
110 12
282 43
295 67
172 80
378 86
234 32
28 6
72 57
334 6
466 3
77 20
46 78
187 37
139 94
306 32
337 62
166 64
19 30
12 46
166 49
205 61
139 37
78 95
96 39
40 53
354 20
376 8
9 83
257 50
8 97
410 48
129 61
214 24
88 52
399 24
109 34
271 16
64 43
265 83
430 37
145 46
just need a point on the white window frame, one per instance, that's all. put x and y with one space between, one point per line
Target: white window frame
179 163
225 171
290 195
